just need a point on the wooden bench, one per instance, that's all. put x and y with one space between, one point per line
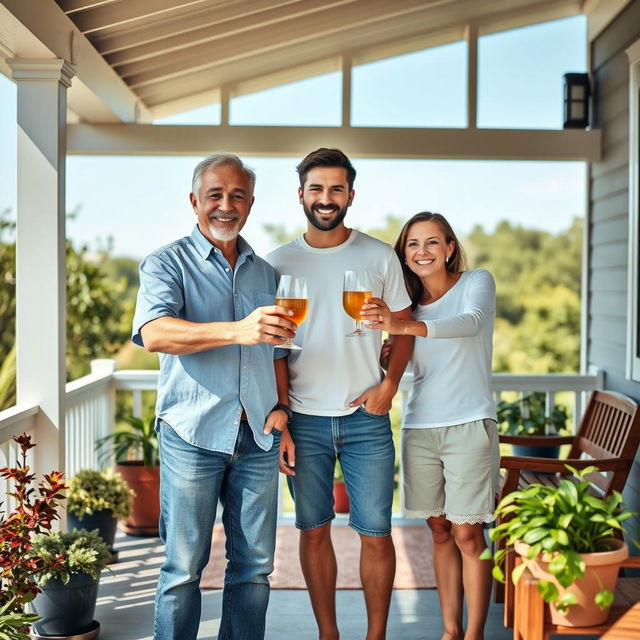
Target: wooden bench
607 437
623 623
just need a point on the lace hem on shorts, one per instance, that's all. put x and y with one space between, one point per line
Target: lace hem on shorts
476 518
456 518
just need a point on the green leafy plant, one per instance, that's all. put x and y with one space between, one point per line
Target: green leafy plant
80 551
14 626
138 441
562 521
35 509
91 490
527 417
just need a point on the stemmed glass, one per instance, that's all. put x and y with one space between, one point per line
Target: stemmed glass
292 294
356 289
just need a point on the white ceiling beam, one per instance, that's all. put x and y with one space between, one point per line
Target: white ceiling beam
384 21
104 17
344 20
368 142
41 29
207 34
72 6
178 22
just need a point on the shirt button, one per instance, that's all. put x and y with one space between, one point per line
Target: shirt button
227 269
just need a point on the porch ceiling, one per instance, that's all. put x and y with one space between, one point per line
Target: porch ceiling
179 54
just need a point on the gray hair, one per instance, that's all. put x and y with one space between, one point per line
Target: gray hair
217 159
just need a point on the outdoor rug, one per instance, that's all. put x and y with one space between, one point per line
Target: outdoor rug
413 557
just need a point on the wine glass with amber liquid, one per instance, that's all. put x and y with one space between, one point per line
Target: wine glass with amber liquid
356 289
292 294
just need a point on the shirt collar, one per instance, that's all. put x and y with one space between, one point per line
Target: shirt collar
205 248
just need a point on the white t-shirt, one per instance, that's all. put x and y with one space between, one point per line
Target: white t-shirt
331 370
452 365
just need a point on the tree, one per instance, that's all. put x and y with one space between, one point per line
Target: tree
95 310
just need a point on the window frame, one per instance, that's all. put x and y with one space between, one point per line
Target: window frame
633 298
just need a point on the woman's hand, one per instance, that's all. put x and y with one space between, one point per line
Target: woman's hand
376 315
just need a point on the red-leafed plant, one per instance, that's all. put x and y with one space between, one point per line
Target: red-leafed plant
33 513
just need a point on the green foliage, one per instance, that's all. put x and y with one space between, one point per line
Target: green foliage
14 625
91 490
138 441
95 310
32 515
563 522
537 278
527 416
81 552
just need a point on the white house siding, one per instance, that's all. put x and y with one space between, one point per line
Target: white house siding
609 215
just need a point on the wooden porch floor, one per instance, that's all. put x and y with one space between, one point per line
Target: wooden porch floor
127 589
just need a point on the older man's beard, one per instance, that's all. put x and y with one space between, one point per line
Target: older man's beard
224 231
320 224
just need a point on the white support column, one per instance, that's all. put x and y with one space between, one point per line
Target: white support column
40 249
472 75
346 90
225 105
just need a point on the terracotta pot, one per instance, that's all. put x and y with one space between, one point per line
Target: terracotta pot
340 497
601 573
145 510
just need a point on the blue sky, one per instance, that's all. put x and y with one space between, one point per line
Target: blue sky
142 203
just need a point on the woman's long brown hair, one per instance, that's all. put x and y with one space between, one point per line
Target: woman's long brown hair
457 260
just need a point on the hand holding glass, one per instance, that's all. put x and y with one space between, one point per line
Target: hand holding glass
356 289
292 294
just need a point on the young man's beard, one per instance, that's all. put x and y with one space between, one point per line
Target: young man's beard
324 226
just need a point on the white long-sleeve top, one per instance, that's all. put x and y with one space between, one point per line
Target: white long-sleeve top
452 365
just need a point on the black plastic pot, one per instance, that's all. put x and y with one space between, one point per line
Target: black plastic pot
104 521
536 452
66 609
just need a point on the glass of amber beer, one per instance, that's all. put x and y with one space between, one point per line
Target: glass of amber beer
356 289
292 294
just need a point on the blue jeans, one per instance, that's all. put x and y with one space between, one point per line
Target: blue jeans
191 481
363 443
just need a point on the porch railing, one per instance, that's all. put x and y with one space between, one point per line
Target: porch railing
90 407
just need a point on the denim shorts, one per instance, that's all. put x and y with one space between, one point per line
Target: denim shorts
363 443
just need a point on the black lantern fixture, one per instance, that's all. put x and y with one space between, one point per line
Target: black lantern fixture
576 100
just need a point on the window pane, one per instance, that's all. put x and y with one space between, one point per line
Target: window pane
520 73
423 89
209 114
312 102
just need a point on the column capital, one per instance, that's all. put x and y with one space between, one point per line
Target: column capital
41 69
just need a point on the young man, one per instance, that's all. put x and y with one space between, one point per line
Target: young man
201 304
339 398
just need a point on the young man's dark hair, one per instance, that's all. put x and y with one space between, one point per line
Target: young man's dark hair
326 158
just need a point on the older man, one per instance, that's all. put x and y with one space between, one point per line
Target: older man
206 305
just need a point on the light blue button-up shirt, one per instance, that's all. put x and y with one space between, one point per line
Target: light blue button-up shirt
201 395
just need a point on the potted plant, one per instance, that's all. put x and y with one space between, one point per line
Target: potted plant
565 537
97 500
340 496
135 448
69 588
18 565
528 417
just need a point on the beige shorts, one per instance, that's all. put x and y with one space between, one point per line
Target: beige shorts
452 471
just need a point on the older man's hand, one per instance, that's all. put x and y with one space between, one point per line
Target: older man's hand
265 324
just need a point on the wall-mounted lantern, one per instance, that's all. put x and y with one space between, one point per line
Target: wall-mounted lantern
576 100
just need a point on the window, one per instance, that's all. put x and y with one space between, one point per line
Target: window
520 73
633 312
426 88
311 102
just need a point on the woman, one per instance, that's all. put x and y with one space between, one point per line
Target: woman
449 440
